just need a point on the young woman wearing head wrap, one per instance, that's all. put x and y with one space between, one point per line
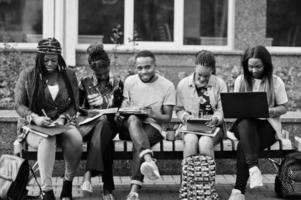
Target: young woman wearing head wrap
47 94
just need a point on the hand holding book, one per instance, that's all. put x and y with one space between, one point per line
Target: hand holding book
213 122
95 99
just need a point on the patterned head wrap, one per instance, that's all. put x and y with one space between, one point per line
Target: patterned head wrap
49 46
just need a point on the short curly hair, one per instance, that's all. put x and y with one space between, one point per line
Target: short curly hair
145 53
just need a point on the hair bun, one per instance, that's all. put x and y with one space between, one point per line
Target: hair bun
95 48
96 52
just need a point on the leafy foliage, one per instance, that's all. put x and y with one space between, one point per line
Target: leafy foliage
11 63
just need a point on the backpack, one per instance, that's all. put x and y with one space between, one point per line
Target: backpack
198 178
288 178
14 173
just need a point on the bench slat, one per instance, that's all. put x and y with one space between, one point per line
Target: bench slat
177 145
174 150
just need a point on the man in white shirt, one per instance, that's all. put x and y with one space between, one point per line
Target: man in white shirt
146 89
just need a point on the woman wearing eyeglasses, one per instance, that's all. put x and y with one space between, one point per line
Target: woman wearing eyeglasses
100 91
257 134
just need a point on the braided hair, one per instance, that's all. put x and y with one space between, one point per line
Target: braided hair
206 58
47 46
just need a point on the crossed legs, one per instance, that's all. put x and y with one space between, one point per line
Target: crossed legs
143 136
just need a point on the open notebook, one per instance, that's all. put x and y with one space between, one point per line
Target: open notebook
100 113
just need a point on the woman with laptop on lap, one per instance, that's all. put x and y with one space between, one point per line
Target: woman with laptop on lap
198 96
255 135
46 94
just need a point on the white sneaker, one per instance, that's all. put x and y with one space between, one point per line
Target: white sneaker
236 195
255 177
133 196
150 170
86 187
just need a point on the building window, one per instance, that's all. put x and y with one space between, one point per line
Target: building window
284 22
21 20
153 20
205 22
157 25
98 18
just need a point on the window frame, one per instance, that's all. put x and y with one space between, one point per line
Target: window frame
48 18
174 46
284 50
60 20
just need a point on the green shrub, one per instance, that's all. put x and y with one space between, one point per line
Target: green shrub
11 63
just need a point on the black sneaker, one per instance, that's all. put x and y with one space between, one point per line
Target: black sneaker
66 190
48 195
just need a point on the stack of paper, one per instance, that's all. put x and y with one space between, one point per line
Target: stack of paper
200 126
133 111
211 133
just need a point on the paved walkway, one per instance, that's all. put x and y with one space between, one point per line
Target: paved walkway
164 189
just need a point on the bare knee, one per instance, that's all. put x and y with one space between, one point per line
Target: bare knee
190 144
190 139
133 120
206 146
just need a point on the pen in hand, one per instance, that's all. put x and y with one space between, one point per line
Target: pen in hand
44 113
47 118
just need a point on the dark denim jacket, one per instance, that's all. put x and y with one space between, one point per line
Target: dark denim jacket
60 106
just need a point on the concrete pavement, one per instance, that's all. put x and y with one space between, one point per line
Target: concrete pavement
165 188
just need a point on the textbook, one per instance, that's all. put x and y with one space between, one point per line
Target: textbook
100 113
142 112
198 124
211 133
46 131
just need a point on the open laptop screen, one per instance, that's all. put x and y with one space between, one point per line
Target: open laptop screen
245 105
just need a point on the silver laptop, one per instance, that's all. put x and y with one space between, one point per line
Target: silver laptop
245 105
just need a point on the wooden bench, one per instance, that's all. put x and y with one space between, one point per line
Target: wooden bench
174 149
